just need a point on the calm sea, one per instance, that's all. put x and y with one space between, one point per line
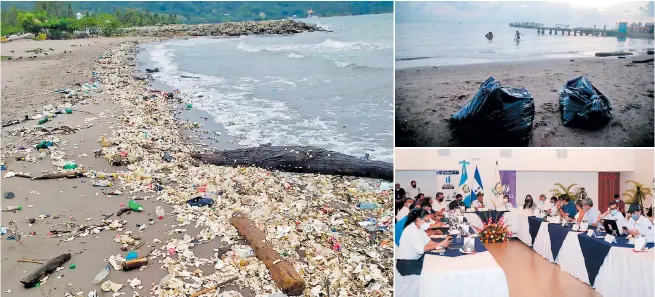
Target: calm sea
437 44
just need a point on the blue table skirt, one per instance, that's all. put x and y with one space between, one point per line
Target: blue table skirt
533 226
493 214
557 235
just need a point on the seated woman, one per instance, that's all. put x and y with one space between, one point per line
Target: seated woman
414 241
528 203
580 211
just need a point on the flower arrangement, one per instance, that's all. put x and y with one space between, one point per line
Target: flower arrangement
493 232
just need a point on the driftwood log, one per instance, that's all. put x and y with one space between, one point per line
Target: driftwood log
58 175
33 278
609 54
303 159
282 272
643 61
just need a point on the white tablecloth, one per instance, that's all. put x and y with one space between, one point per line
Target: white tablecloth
523 229
477 275
542 243
570 258
626 273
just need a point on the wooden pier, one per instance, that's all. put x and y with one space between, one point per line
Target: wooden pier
567 31
577 31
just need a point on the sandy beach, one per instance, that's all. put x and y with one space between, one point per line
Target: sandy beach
311 220
426 97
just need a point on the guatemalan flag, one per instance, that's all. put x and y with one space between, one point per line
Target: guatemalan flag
463 182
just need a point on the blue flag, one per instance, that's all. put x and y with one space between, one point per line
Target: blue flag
463 179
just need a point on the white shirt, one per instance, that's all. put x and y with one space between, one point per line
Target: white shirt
543 205
412 243
505 205
477 204
437 206
403 212
553 209
620 220
412 192
643 225
591 215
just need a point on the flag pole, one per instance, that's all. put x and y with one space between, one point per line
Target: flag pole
474 159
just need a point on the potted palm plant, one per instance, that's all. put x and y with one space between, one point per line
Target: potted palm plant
637 195
565 190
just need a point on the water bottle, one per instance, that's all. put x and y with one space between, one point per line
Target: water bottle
101 275
12 208
160 212
368 205
135 206
43 120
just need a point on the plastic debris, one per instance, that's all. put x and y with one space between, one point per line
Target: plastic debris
8 195
496 116
584 106
111 286
200 201
101 275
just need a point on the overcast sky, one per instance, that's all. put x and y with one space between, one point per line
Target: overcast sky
574 13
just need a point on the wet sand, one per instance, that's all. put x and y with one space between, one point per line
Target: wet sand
426 97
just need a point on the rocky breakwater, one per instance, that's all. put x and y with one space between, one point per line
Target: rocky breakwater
225 29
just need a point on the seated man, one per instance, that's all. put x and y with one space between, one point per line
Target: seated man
613 213
567 208
455 204
542 204
479 202
438 203
553 206
591 214
404 211
639 224
506 205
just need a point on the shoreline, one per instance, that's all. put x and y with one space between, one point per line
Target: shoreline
426 97
145 130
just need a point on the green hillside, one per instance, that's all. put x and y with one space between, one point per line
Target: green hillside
194 12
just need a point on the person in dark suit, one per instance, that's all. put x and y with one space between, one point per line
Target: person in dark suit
459 201
400 197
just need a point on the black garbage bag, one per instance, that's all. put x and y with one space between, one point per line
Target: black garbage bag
496 116
583 106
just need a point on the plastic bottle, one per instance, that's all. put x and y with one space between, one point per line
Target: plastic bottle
134 206
368 205
101 275
160 212
12 208
70 166
68 110
43 120
189 106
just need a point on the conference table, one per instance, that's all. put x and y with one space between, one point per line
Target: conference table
454 274
509 217
612 269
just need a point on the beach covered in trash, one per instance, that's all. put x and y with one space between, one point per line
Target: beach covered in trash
109 179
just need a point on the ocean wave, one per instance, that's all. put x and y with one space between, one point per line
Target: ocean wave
328 45
253 120
293 55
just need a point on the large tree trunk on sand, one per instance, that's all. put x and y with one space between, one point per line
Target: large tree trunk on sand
303 159
33 278
282 272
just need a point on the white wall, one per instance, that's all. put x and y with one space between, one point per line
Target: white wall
644 173
536 183
537 169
